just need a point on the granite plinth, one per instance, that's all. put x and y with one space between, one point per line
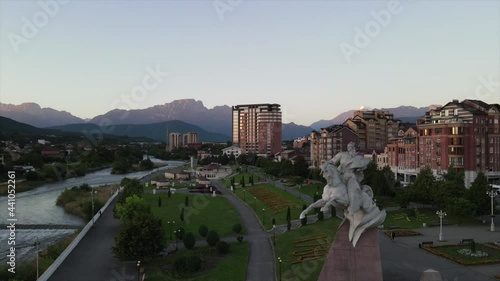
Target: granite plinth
348 263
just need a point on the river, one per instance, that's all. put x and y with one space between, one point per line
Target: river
38 206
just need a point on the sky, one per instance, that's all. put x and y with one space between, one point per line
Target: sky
315 58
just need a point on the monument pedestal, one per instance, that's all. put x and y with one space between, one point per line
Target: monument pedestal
348 263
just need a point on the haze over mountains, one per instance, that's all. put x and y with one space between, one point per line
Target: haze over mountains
215 122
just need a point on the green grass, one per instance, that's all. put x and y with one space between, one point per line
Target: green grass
451 252
286 244
427 216
266 216
311 189
215 212
231 267
237 179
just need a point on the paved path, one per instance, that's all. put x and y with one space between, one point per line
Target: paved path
261 259
92 259
403 260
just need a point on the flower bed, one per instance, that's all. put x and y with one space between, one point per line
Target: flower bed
402 232
272 199
311 248
463 255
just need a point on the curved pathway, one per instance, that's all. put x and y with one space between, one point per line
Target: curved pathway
260 265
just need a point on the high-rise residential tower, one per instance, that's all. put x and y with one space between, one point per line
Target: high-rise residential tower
257 128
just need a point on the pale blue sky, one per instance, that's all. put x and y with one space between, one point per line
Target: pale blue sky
91 53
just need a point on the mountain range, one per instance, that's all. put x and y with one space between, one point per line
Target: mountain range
215 122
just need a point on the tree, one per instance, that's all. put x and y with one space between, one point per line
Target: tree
203 230
222 247
403 196
130 187
237 228
477 194
273 221
169 193
321 216
300 167
288 214
186 202
159 201
140 238
212 237
461 207
182 215
242 181
446 190
146 164
131 208
189 240
424 185
121 166
303 221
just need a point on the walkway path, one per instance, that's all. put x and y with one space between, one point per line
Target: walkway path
261 259
92 259
403 260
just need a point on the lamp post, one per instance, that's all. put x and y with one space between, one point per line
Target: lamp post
279 260
175 234
244 195
92 195
255 203
274 234
138 270
36 245
441 215
492 193
263 216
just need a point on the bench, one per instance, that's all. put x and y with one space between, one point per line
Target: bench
393 226
466 241
425 243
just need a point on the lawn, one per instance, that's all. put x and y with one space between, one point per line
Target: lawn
452 253
230 267
407 219
215 212
311 189
264 197
310 244
237 179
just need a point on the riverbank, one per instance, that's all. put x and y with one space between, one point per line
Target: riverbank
78 201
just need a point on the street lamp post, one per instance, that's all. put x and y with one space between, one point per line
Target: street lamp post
263 216
92 195
255 203
279 260
244 200
492 193
441 215
175 234
36 245
138 270
274 234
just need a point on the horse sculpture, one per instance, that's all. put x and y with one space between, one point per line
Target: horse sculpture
334 192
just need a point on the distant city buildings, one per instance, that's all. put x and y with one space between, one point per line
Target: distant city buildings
257 128
374 128
176 140
330 141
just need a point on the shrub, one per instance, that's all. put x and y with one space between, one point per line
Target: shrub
304 220
189 240
321 216
240 239
473 246
212 237
222 247
237 228
191 263
203 230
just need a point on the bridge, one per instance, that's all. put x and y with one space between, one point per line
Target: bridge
42 226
